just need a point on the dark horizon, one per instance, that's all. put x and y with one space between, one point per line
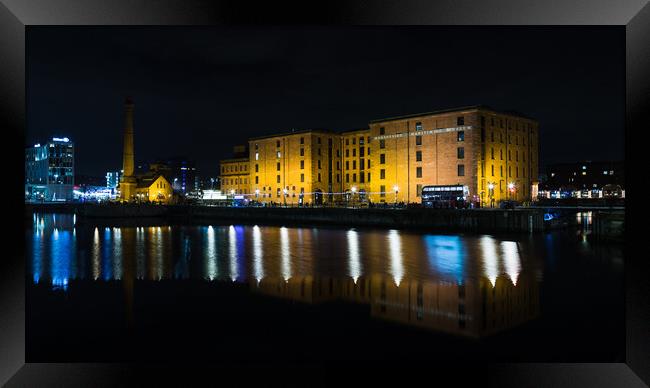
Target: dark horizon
200 91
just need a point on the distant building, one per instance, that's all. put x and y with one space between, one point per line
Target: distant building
179 171
49 170
113 179
586 179
235 174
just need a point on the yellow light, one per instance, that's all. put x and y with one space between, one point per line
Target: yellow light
354 189
395 188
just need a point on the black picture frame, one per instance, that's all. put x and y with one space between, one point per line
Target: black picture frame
15 15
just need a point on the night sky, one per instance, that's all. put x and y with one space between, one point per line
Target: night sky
200 91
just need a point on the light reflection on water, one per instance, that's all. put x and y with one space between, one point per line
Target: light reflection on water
469 284
282 251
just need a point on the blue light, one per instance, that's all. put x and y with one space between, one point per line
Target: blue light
446 255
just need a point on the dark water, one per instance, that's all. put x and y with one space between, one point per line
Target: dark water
232 293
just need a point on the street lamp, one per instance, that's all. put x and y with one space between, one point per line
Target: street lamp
354 190
257 193
491 193
511 189
396 190
285 196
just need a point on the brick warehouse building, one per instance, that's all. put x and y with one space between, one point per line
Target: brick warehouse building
495 155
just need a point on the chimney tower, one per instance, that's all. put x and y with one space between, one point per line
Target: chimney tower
128 181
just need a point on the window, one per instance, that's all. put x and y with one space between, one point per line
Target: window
461 152
382 143
302 177
278 166
354 164
257 180
302 140
347 164
418 126
278 177
461 170
501 171
418 140
418 156
382 174
510 171
347 141
277 143
319 164
319 152
338 165
418 172
516 156
460 121
354 177
493 170
361 153
302 152
319 176
347 153
302 164
347 178
361 176
361 142
382 131
501 154
318 138
509 154
482 121
461 135
492 153
492 136
368 177
257 156
354 152
354 140
382 159
278 154
382 190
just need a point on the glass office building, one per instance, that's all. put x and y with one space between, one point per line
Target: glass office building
49 171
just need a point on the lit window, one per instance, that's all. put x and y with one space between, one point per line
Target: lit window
279 154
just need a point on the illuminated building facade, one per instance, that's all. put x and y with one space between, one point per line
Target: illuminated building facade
153 188
493 155
49 170
235 176
301 167
356 164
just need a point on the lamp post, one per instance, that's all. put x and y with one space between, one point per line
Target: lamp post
354 190
396 190
491 193
257 194
511 189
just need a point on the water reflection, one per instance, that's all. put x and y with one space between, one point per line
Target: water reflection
354 262
469 285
